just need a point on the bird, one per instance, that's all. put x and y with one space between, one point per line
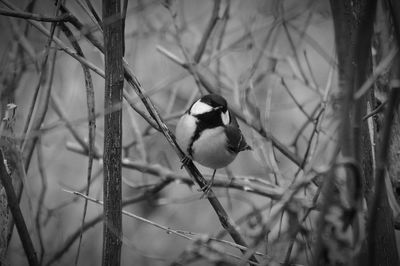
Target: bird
209 134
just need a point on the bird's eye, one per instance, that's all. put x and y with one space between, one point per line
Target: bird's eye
225 118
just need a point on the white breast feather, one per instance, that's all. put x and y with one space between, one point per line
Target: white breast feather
210 149
184 131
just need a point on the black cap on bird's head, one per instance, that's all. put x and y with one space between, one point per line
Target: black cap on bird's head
215 101
209 103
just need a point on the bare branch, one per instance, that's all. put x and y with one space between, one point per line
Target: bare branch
13 204
37 17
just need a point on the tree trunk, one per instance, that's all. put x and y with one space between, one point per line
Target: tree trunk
114 81
353 29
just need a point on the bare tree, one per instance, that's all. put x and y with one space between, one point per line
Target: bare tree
313 85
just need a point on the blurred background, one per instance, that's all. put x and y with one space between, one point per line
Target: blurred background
272 60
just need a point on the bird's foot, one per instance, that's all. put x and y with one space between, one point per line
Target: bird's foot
185 160
206 189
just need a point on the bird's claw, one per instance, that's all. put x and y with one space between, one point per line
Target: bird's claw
185 160
206 189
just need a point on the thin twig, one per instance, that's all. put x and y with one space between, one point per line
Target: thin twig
247 184
295 231
91 121
294 50
94 13
381 162
206 35
299 105
37 17
74 236
168 230
84 61
380 68
36 115
42 195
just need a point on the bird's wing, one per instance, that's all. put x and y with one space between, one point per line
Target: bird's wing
235 140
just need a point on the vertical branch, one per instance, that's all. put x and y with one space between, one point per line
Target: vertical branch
42 195
114 81
91 119
381 159
356 20
382 243
353 23
13 204
211 24
38 110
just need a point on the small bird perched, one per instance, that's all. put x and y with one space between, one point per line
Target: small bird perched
209 134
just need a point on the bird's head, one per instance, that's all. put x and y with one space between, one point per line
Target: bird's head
211 106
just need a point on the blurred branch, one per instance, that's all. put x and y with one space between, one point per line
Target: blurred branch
354 26
296 230
294 50
206 35
296 102
94 13
13 204
57 107
10 78
247 184
178 37
381 161
25 44
37 17
224 19
90 12
168 230
74 236
37 115
382 158
281 205
99 202
42 195
59 42
98 43
90 102
379 69
84 61
314 44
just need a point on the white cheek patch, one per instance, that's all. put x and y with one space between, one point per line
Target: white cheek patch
200 108
225 118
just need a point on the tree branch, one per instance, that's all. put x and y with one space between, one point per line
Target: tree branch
17 214
113 93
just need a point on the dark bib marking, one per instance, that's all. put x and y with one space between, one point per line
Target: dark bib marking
205 121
